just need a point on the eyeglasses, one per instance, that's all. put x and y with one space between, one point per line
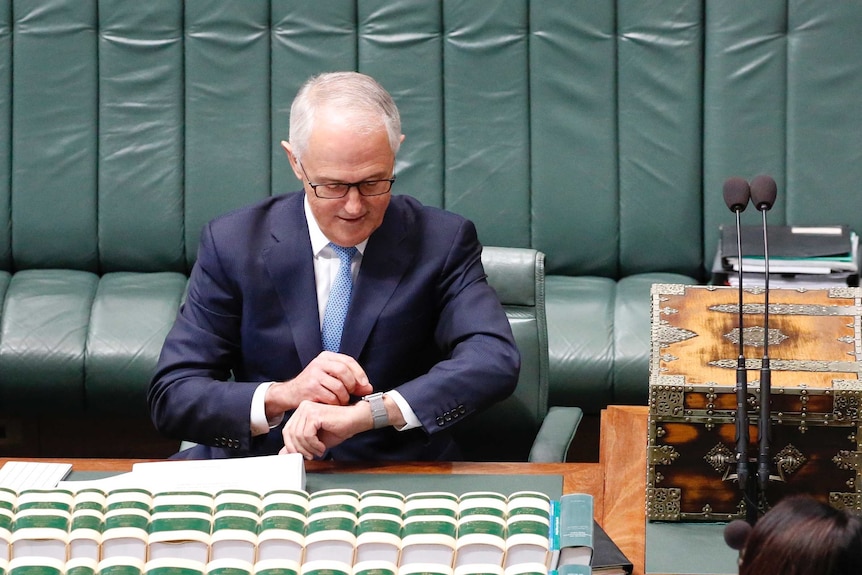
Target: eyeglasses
337 190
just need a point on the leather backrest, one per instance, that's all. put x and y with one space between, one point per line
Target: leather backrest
596 132
505 432
782 97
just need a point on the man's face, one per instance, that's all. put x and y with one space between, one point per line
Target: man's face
337 153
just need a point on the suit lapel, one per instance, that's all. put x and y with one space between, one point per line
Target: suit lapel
291 268
387 256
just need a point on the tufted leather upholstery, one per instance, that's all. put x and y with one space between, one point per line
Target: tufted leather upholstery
597 132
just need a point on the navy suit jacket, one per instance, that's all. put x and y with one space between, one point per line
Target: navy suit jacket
422 319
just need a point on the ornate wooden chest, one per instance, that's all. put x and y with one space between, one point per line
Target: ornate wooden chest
815 362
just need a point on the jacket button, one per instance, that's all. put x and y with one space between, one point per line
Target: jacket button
440 421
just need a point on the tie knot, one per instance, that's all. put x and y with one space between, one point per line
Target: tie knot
344 254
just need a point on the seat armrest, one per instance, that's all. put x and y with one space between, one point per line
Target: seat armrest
556 434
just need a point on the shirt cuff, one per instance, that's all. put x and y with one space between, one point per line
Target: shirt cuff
409 416
259 423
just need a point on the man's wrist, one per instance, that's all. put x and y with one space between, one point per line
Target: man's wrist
379 415
261 421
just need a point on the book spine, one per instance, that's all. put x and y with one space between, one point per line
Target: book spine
554 527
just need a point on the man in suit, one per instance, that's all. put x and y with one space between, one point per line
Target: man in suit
425 342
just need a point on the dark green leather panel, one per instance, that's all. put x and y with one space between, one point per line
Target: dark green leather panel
824 114
632 323
532 391
569 127
556 434
43 338
487 117
581 331
140 193
307 38
55 122
573 115
227 116
781 84
5 134
5 278
745 105
131 316
659 71
505 268
401 43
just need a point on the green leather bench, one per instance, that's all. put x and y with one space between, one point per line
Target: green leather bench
597 132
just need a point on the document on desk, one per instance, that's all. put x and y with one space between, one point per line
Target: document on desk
261 474
19 475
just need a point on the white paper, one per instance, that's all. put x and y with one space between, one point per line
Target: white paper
20 475
260 474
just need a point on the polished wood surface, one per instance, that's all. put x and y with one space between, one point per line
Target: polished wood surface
622 455
617 482
808 332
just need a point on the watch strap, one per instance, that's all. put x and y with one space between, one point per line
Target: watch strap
378 409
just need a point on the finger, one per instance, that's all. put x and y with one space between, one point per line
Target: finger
360 378
336 389
309 440
363 388
304 433
290 435
309 446
350 374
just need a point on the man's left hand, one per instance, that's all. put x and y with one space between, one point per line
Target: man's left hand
315 427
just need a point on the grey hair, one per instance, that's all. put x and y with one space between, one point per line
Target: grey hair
367 101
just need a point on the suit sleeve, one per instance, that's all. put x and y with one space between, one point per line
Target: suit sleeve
481 360
191 387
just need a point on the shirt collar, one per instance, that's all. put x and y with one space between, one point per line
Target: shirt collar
318 240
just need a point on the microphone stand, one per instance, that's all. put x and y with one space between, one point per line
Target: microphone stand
764 424
746 484
763 191
737 193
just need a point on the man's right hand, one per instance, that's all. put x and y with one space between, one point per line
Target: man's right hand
331 378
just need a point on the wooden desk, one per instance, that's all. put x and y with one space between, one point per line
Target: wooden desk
619 496
622 456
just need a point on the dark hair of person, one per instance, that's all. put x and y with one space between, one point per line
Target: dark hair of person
804 536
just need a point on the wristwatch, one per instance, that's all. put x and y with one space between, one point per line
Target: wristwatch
378 410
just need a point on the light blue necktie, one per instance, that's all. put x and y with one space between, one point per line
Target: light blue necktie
339 300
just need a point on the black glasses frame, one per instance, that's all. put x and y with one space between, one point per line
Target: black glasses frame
349 185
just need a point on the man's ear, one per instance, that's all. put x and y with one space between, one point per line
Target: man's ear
288 149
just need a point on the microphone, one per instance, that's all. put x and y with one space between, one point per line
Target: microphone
763 192
736 195
736 534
